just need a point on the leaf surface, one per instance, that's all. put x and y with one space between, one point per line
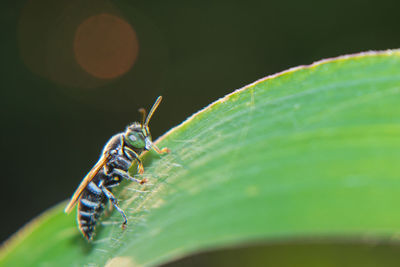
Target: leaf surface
311 153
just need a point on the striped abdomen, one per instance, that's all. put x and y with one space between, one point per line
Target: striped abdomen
91 206
93 199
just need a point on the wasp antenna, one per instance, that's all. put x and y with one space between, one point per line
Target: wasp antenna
143 111
153 108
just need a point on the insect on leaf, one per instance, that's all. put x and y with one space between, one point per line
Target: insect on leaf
310 154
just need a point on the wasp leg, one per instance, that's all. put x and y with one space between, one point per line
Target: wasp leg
124 175
136 157
161 151
114 201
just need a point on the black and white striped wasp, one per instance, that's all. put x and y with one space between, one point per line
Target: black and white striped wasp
118 155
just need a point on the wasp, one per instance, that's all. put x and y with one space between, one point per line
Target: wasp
116 158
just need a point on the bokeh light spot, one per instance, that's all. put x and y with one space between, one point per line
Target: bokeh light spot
105 46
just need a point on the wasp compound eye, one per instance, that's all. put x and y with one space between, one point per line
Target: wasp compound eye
136 140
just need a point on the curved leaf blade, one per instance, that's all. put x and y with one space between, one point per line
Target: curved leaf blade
312 152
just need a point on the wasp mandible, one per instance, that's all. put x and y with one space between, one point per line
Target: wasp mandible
118 155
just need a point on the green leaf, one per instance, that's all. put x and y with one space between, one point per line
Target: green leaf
308 154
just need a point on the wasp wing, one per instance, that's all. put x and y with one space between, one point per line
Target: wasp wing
89 177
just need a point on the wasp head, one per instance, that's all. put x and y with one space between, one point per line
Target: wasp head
138 135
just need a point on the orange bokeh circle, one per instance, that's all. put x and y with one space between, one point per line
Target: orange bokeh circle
105 46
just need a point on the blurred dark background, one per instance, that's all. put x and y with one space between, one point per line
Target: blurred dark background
75 72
